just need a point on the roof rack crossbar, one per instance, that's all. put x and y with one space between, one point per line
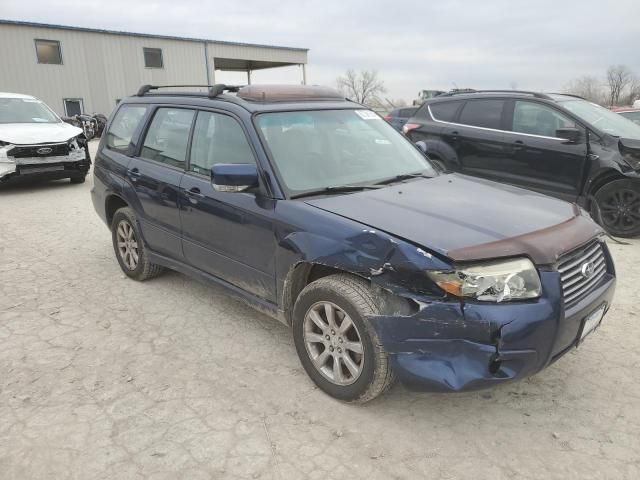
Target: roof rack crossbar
213 90
470 90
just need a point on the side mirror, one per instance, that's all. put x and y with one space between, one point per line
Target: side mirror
234 177
571 134
422 146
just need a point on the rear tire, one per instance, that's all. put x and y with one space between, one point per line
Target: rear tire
129 246
358 377
617 208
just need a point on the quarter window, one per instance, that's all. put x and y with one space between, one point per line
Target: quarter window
168 136
483 113
48 51
538 119
123 126
218 138
445 111
152 57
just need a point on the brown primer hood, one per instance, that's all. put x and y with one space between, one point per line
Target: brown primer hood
544 246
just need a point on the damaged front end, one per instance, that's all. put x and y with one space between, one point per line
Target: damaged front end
55 160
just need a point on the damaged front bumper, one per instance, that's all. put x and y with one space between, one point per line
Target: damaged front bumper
449 346
18 162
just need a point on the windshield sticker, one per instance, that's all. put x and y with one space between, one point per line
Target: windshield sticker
382 141
368 115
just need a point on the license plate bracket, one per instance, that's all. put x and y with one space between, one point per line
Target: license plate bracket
591 322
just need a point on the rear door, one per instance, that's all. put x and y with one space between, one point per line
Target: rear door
227 234
538 158
155 175
478 137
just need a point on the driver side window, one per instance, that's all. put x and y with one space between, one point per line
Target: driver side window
218 138
538 119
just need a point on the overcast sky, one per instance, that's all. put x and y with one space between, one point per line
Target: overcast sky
537 44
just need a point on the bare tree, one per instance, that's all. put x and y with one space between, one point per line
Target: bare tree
618 78
587 87
362 87
633 91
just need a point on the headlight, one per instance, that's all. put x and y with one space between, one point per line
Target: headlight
498 281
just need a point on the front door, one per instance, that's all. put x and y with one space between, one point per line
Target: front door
155 176
226 234
538 158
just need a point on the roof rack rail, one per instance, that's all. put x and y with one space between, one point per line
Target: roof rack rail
471 90
213 90
568 95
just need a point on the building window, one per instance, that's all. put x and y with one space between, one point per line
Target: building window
48 51
72 106
152 57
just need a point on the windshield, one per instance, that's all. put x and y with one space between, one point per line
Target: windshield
314 150
25 110
603 119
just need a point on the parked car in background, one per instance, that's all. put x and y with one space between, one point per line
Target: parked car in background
425 95
398 117
630 113
314 210
36 144
636 104
559 145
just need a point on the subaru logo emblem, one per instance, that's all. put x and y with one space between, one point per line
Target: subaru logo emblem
588 269
44 151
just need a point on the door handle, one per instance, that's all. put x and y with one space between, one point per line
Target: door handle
134 173
518 145
194 193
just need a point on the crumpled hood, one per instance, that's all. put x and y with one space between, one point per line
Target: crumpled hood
454 214
631 149
34 133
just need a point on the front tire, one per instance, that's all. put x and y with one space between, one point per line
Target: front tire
129 247
336 343
617 208
78 179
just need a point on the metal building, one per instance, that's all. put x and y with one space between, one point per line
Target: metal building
76 69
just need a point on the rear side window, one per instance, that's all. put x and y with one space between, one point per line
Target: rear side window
123 126
218 138
482 113
168 136
444 111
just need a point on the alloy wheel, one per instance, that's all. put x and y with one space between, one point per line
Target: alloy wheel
620 210
127 244
333 343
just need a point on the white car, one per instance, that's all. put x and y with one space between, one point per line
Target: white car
36 143
636 104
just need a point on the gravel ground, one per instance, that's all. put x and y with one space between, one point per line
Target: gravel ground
103 377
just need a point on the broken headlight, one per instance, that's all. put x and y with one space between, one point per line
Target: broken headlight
498 281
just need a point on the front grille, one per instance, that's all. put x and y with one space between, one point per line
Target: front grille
49 150
574 265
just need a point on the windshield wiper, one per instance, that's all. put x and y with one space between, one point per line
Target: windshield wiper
336 189
404 176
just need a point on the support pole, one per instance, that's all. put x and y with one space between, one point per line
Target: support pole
304 73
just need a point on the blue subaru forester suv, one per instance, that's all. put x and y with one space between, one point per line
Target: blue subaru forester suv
314 210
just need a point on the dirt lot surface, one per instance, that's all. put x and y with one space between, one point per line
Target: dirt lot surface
103 377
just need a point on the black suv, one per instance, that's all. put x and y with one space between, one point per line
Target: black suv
557 144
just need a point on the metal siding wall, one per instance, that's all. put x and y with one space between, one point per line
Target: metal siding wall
99 68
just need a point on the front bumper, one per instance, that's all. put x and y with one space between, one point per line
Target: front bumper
76 163
450 346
